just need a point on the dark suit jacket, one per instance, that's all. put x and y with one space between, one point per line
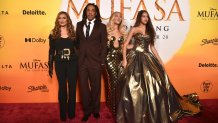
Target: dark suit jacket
93 48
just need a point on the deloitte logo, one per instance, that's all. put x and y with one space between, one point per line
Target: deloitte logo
171 19
35 40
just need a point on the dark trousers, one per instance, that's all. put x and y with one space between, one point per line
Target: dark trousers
90 87
66 71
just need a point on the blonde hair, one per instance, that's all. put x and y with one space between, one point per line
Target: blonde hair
110 25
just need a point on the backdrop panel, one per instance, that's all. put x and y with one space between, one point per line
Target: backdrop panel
187 41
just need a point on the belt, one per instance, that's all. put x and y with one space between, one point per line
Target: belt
65 53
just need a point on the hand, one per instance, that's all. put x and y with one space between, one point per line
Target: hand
124 63
102 66
129 46
50 65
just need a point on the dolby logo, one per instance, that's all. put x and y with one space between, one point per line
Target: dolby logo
5 88
35 40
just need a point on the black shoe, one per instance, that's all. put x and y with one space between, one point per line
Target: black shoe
63 118
96 115
85 118
71 116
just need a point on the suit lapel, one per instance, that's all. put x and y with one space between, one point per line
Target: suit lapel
82 26
94 30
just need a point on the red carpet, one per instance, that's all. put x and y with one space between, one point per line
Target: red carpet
49 113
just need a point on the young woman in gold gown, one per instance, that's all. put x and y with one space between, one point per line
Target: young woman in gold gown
148 95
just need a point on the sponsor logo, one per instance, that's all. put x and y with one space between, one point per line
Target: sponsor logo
206 86
209 41
35 40
42 88
211 14
5 66
4 13
5 88
2 41
33 12
35 65
207 65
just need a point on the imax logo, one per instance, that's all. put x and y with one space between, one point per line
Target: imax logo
35 40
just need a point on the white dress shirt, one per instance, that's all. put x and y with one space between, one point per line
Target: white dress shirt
91 26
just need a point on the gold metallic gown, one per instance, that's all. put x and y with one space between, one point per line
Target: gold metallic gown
148 95
114 57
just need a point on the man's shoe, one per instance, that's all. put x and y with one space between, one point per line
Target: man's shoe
71 116
63 118
85 118
96 115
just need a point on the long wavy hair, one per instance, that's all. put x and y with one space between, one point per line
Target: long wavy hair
110 25
97 16
149 26
56 32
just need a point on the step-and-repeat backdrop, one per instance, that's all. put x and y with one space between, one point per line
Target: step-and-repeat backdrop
187 41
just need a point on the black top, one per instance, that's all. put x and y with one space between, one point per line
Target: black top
63 49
